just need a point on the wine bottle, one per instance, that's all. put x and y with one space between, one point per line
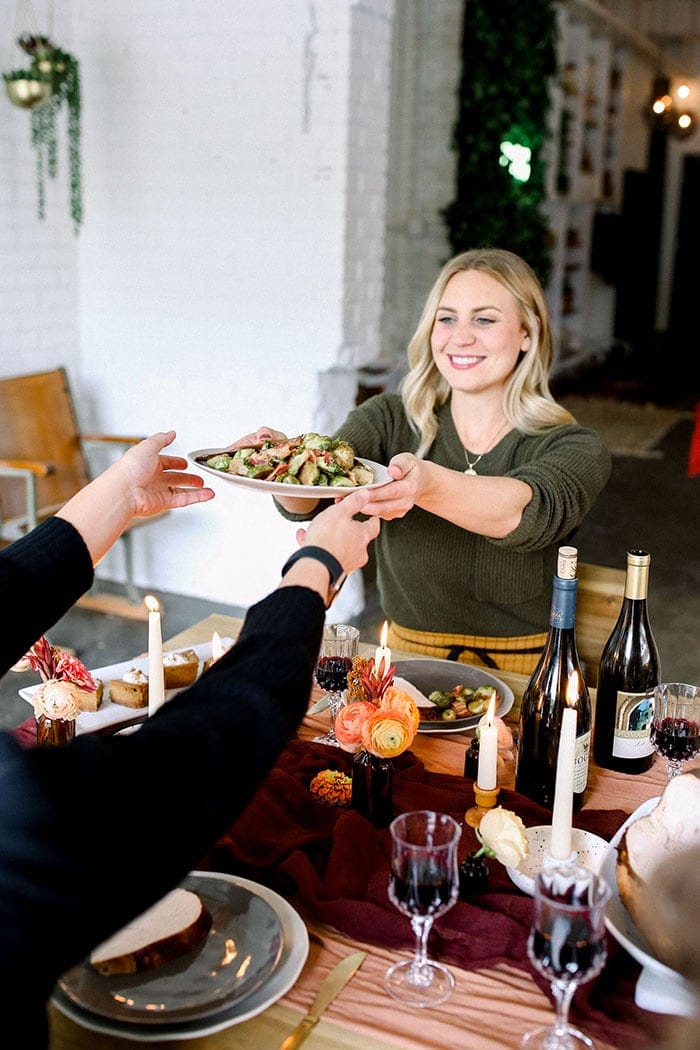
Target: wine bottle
629 670
556 682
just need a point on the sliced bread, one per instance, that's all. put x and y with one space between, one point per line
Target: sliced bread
177 924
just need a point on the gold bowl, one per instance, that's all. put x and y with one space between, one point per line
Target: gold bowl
29 93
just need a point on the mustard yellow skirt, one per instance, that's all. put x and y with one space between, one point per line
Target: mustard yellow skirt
497 654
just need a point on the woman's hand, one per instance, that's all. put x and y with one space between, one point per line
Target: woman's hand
397 497
257 438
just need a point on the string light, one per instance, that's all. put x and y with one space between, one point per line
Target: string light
663 115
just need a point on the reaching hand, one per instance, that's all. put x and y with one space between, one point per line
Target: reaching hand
140 484
158 482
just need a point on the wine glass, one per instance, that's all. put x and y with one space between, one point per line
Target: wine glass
424 883
675 729
338 647
566 945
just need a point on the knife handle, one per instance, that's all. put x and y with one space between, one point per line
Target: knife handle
304 1028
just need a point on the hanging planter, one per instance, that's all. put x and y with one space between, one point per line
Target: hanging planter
52 80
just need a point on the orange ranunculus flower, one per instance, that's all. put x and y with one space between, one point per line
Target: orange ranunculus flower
387 733
398 700
349 722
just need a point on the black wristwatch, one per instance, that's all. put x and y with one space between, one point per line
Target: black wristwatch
335 569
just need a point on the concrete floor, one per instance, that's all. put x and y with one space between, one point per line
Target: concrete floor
648 503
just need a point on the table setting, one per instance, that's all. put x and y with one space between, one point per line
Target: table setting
325 870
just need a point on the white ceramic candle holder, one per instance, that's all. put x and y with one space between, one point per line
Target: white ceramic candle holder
588 850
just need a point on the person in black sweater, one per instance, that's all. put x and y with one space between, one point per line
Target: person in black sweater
93 833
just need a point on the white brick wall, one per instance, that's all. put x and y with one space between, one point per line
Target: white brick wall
234 164
38 261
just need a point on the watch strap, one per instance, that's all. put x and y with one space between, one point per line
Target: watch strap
334 567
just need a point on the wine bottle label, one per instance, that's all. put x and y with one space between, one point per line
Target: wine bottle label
583 749
633 717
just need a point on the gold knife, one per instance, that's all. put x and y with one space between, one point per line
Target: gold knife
331 986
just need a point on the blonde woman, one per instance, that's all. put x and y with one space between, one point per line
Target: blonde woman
491 474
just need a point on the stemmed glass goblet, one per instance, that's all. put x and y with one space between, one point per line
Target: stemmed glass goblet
675 728
566 945
338 648
424 883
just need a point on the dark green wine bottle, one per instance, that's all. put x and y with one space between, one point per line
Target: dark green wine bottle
629 671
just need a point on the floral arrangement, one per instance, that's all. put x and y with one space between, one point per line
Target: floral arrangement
53 664
503 835
380 718
332 788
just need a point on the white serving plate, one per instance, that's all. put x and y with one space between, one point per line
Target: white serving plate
109 714
676 990
280 488
295 948
427 675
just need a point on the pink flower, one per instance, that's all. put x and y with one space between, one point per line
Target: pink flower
52 663
349 722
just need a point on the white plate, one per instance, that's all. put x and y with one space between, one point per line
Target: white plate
294 952
618 919
589 847
427 675
109 714
199 982
381 476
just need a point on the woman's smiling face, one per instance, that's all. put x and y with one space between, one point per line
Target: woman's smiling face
477 333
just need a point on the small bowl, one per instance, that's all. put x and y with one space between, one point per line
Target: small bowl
590 849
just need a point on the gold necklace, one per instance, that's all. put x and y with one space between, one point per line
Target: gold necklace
471 464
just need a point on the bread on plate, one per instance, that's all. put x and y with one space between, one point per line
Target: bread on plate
670 828
176 924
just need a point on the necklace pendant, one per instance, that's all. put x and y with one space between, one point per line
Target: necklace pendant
470 470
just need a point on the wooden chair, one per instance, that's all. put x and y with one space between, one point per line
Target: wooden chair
43 462
600 594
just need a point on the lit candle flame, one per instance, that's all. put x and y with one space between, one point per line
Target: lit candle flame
385 632
151 603
573 690
491 711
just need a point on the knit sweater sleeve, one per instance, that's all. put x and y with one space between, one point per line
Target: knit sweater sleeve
566 469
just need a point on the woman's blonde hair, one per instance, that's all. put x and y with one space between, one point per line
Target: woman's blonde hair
528 404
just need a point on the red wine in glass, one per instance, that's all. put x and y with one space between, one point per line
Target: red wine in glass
567 946
415 897
675 729
332 673
677 739
567 956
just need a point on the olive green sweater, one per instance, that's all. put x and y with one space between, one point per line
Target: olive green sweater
435 576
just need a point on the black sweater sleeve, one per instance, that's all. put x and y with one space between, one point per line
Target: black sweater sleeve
93 833
41 576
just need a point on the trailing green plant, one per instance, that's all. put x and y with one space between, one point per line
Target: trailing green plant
59 68
509 57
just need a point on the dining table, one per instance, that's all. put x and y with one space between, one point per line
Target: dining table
491 1007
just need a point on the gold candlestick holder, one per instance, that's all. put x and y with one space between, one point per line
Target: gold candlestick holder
485 800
